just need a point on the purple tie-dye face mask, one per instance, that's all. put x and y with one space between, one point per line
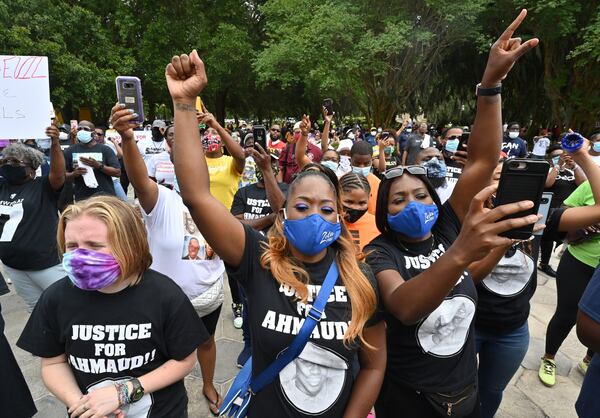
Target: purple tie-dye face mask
91 270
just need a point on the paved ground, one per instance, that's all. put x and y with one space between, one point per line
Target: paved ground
525 397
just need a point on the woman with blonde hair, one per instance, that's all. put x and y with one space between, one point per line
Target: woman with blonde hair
104 348
282 273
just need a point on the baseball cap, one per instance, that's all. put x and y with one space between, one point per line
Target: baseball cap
158 123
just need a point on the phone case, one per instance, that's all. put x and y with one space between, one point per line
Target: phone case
259 132
129 92
545 204
521 179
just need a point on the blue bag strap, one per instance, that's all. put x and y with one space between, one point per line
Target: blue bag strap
314 315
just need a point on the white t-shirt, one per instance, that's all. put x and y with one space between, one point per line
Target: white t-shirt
539 148
148 148
161 168
177 247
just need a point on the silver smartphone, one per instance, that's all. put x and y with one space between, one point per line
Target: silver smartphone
543 210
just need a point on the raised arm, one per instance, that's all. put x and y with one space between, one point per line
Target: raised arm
326 128
381 143
145 189
57 175
302 144
412 300
186 78
486 138
235 149
275 196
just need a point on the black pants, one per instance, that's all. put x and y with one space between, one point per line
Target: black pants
400 402
235 291
546 246
572 277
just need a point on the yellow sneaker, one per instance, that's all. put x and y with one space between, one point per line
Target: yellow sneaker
582 366
547 373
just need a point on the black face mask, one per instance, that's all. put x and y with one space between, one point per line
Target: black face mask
353 215
157 136
14 174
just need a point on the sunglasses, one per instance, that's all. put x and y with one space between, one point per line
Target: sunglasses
453 137
415 170
84 128
275 130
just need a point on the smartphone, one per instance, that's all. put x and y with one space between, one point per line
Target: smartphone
543 210
521 179
463 141
385 135
328 105
259 132
129 93
74 124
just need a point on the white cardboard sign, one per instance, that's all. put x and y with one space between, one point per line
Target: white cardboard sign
24 97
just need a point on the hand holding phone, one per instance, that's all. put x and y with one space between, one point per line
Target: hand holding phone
129 93
521 179
259 132
328 105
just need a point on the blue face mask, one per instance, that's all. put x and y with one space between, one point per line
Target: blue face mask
361 170
415 220
452 145
85 137
556 160
312 234
596 146
332 165
435 168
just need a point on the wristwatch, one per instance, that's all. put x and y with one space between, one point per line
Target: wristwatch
137 392
101 167
491 91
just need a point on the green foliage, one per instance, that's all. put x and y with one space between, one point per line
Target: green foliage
276 58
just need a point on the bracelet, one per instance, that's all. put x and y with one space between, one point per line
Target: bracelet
123 393
101 167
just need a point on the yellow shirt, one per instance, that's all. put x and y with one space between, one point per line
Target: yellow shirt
374 183
224 179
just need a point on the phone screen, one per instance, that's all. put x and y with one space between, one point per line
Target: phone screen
259 132
328 105
543 210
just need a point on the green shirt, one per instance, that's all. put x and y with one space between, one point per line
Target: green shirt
588 252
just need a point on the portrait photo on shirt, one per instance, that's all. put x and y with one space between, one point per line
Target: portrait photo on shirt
196 248
512 273
444 332
314 380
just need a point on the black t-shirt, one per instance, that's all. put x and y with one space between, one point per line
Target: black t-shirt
562 187
318 382
110 337
505 293
438 353
251 201
453 171
100 153
28 221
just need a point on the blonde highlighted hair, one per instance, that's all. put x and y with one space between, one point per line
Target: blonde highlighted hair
126 233
289 271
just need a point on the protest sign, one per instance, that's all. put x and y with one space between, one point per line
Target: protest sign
141 135
24 97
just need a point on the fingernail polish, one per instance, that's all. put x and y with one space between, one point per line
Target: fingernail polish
130 110
135 115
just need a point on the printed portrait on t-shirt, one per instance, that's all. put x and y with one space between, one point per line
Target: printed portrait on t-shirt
446 329
511 275
139 409
313 381
196 248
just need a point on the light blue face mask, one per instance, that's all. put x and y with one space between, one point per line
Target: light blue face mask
361 170
556 160
596 146
452 145
332 165
85 137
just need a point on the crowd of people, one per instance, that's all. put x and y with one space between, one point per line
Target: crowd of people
120 250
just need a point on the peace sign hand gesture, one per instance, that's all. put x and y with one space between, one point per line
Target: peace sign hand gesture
505 52
186 77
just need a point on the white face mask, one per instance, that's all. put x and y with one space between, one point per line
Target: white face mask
373 133
408 130
513 135
63 136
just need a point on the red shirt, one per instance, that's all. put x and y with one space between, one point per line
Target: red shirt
287 160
